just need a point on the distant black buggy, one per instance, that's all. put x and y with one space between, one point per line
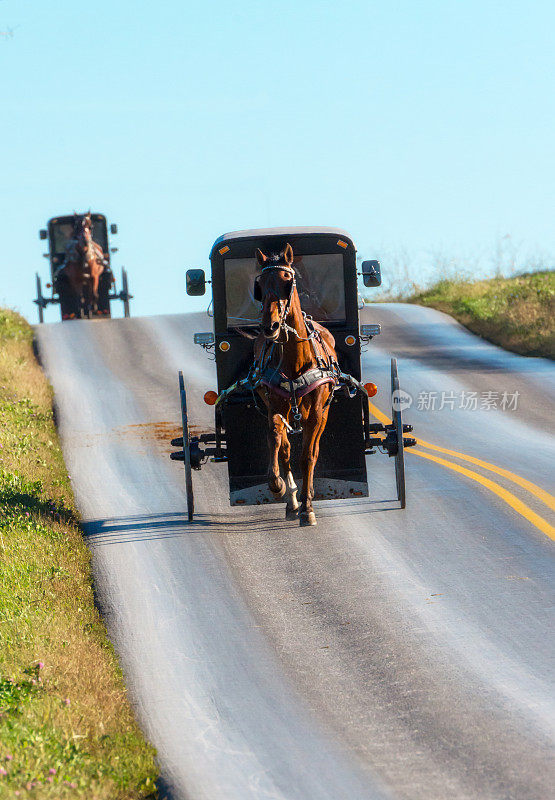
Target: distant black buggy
326 280
62 234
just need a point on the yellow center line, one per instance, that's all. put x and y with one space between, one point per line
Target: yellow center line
541 494
508 497
513 501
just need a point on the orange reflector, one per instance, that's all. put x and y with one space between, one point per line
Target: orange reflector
210 398
223 250
224 346
48 285
371 388
342 244
350 340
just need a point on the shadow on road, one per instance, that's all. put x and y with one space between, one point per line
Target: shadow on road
152 527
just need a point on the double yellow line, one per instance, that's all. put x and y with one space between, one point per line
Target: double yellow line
509 498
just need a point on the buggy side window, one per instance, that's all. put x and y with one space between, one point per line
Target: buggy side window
242 309
62 233
321 286
100 235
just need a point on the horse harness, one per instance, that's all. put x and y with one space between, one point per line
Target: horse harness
76 254
262 373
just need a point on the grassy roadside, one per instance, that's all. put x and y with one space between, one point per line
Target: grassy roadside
66 727
516 313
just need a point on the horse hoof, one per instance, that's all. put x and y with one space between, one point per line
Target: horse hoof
291 513
307 518
281 491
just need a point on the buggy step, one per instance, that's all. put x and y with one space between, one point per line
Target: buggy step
204 437
377 427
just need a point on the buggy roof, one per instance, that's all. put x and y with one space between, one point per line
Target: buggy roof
64 218
258 233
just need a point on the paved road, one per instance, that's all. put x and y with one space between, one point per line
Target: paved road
383 654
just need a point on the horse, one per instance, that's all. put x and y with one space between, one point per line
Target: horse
84 264
296 369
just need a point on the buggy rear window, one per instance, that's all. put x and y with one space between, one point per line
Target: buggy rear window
320 283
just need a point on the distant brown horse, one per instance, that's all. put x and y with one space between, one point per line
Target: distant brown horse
84 263
296 365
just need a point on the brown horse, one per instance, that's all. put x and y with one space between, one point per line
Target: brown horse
84 263
296 368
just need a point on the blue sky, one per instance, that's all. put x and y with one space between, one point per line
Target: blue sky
421 128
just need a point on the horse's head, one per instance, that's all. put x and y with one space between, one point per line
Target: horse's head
83 227
274 288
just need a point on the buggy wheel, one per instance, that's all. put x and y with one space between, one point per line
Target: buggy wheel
125 293
186 449
398 423
40 299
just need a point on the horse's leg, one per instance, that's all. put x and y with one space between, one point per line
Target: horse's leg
292 507
94 294
308 461
93 286
99 307
86 300
313 429
275 481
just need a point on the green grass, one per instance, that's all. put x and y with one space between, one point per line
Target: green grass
516 313
66 727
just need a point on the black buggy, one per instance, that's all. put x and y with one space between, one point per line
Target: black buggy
58 233
325 265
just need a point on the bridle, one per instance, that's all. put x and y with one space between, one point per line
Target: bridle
284 311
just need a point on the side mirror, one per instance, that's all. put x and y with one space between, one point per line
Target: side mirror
43 234
371 273
113 228
196 282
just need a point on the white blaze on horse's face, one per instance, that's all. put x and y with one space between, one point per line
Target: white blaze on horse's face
87 228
